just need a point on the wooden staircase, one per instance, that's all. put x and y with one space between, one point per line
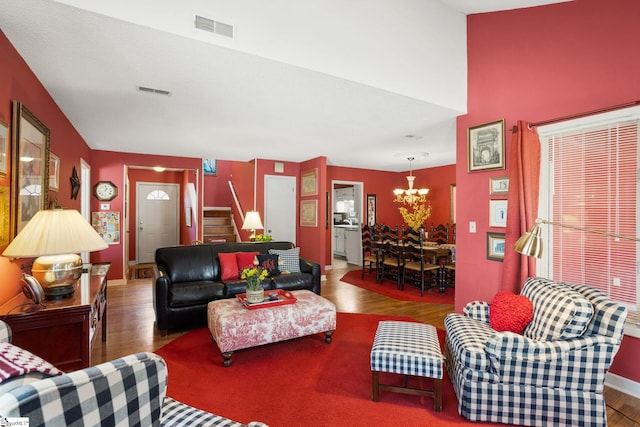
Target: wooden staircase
218 226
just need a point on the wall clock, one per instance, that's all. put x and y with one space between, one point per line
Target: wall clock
105 191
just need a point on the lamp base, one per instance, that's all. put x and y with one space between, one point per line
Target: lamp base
57 274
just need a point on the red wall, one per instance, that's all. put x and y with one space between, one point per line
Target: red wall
216 187
17 82
537 64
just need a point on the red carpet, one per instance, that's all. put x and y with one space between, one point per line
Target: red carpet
389 289
302 382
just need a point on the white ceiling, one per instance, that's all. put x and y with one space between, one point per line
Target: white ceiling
346 80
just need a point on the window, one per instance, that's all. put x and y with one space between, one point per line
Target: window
158 195
589 179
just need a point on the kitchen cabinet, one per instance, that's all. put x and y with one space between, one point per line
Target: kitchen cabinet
339 241
353 246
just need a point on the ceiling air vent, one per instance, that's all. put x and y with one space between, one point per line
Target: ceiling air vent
153 90
216 27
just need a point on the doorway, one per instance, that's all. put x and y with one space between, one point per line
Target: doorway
280 207
347 208
157 216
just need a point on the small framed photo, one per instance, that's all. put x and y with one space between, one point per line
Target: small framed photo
497 213
495 246
499 186
485 146
371 209
309 183
309 213
54 172
209 166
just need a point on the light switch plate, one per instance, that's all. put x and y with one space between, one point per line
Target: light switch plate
472 226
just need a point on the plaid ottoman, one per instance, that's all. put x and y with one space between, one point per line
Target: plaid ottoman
409 349
234 327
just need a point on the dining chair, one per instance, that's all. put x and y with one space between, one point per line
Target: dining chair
371 254
417 268
450 267
392 262
439 233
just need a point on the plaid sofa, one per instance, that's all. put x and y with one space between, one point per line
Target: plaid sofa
128 391
552 374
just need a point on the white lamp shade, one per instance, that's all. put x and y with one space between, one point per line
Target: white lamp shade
252 221
54 232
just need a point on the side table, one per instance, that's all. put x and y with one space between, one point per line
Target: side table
63 332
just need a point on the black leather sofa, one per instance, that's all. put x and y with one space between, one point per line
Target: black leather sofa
189 277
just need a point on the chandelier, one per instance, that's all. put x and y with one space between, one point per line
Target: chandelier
411 195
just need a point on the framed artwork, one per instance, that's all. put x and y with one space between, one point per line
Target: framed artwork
495 246
485 146
4 148
54 172
499 186
5 215
497 213
371 209
309 213
30 166
453 203
309 183
107 225
209 166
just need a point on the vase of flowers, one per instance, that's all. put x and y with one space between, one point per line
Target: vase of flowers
254 277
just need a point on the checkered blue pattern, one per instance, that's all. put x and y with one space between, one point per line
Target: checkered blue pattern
560 311
407 348
537 382
289 259
125 392
177 414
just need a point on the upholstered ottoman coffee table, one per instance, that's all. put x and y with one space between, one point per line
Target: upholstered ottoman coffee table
409 349
234 327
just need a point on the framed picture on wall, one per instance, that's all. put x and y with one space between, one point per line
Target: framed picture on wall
309 183
485 146
495 246
499 186
54 171
309 213
452 189
30 179
371 209
209 166
497 213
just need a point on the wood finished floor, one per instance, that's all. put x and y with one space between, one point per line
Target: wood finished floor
131 326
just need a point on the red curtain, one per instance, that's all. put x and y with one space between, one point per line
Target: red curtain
522 208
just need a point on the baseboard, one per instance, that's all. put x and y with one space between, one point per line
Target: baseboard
623 384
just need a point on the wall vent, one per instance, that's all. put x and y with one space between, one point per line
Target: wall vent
153 90
216 27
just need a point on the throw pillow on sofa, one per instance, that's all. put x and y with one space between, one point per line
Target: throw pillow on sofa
246 259
509 312
229 266
270 263
290 259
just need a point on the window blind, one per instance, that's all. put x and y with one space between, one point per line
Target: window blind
590 180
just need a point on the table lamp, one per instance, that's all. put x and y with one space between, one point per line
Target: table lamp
252 222
56 237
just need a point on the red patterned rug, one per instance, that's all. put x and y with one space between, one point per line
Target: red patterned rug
389 288
301 382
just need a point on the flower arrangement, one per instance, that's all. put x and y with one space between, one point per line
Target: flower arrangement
418 214
254 276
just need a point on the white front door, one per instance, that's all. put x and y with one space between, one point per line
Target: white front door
280 207
157 218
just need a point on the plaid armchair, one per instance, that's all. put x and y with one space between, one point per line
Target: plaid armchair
552 374
124 392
